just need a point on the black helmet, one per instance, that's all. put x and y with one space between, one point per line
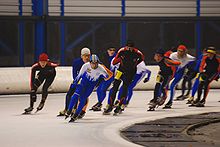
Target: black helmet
130 43
160 51
211 50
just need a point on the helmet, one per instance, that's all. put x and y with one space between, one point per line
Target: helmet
94 58
43 57
130 43
85 50
211 50
160 51
181 47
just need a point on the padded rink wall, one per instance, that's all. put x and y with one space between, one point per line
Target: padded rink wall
17 80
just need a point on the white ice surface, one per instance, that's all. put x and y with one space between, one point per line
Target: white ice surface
44 129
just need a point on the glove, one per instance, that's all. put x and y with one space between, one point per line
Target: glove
216 79
146 80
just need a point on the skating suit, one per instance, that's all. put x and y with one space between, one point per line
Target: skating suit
209 71
140 74
104 85
76 66
165 74
180 71
86 81
127 69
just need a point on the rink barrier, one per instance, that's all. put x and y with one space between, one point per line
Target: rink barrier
17 80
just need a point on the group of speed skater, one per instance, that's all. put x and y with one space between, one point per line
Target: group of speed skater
123 71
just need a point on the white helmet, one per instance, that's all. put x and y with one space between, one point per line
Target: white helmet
85 50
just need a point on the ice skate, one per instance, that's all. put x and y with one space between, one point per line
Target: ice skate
96 107
186 96
28 110
168 105
194 102
107 110
73 118
81 115
152 106
201 103
161 101
61 113
40 107
118 110
67 114
116 103
190 100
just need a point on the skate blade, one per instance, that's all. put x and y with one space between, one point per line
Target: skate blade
36 111
60 115
26 113
66 117
72 121
106 113
192 105
188 102
91 109
115 114
166 107
151 110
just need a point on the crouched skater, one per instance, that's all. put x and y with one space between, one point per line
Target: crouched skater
87 79
165 74
46 72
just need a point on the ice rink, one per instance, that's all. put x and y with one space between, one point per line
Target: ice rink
44 129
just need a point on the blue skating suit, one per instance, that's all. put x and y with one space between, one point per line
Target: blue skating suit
85 83
76 66
179 72
104 85
140 74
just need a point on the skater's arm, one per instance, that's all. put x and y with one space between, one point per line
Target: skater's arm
81 72
52 64
140 55
202 65
33 72
119 57
109 72
172 62
218 58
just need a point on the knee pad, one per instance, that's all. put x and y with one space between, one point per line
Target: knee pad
159 79
203 77
197 75
118 75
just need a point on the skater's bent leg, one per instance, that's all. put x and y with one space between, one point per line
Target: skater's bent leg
69 95
86 105
73 101
115 87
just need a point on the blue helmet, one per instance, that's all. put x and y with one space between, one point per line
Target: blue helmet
94 58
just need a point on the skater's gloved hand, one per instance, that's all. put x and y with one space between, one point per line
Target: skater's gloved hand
216 79
146 79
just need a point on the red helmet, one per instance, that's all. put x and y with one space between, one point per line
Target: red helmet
181 47
43 57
